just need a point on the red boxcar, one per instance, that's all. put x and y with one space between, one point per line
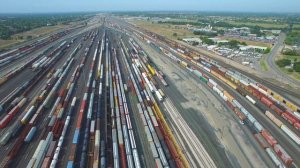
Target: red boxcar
266 101
287 116
297 126
269 138
261 141
286 158
276 109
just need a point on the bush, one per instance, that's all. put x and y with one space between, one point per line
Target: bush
296 66
267 50
207 41
291 52
210 34
283 62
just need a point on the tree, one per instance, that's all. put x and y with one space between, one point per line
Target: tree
233 44
283 62
291 52
175 34
207 41
221 32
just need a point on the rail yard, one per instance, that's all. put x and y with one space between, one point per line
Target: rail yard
111 94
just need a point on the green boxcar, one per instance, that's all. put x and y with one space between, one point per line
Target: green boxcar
203 79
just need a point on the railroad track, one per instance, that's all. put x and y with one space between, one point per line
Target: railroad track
197 149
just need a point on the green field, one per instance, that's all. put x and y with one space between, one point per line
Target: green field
263 65
295 75
264 25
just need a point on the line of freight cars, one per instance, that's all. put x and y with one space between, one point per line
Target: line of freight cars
243 114
256 90
192 55
124 123
240 111
161 128
20 99
149 121
25 121
80 119
71 86
36 43
137 63
253 87
96 126
293 108
4 104
7 58
15 71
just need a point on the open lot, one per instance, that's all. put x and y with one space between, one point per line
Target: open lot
38 32
264 25
255 43
166 29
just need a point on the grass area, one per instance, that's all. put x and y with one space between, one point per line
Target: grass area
265 25
290 57
164 29
296 26
255 43
263 65
8 43
38 32
295 75
34 33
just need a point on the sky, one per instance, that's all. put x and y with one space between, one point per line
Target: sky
46 6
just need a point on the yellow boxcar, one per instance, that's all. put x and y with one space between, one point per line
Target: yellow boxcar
214 73
230 98
278 97
151 69
269 91
231 84
3 80
184 64
291 106
194 62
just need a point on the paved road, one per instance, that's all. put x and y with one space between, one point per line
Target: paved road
274 68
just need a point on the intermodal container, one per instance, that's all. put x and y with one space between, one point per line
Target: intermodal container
30 134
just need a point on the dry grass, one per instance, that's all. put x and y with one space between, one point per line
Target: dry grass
295 75
34 33
7 43
38 32
164 29
249 42
265 25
